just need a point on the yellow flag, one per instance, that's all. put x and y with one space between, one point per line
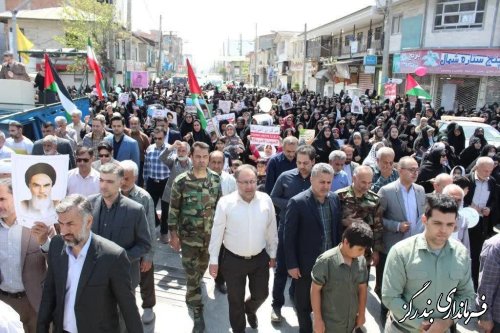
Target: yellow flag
23 44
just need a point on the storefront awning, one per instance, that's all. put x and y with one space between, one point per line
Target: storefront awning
324 74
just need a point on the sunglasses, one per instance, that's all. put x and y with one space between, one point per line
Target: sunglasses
84 160
103 155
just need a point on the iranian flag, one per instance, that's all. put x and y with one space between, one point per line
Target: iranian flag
94 66
195 90
414 89
54 83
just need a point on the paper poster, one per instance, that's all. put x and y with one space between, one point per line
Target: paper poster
356 106
390 91
286 102
306 136
123 98
38 184
139 79
172 117
225 106
157 111
264 135
263 119
214 121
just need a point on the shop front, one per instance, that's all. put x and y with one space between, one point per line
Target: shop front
468 77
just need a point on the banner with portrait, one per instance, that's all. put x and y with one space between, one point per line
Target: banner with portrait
39 183
139 79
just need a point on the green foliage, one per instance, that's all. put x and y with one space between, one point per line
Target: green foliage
296 86
89 18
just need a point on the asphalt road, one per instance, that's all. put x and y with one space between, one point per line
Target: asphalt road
172 314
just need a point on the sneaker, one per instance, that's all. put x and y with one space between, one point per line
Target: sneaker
276 315
148 316
252 320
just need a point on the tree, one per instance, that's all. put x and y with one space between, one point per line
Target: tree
90 18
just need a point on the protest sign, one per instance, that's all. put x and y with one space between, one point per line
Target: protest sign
265 135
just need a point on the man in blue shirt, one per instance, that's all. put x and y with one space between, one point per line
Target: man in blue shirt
289 184
281 162
340 179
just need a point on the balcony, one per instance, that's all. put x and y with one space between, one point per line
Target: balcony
316 50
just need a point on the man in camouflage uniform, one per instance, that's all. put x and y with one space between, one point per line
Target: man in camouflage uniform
359 204
192 206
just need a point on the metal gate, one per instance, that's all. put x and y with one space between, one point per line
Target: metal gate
466 94
493 90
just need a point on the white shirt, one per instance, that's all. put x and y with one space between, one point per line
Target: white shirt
10 322
227 183
5 152
481 192
244 228
11 269
25 147
75 266
84 186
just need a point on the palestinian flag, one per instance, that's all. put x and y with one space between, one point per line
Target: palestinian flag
94 66
54 83
414 89
195 90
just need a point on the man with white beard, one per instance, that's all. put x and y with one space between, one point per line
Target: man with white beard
40 178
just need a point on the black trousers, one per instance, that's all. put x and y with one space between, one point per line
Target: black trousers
477 236
155 188
164 217
220 276
236 270
303 302
379 271
147 285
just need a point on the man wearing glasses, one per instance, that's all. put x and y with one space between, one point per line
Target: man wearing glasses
245 222
402 204
83 179
155 171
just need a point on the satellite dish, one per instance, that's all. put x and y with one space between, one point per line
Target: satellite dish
470 215
265 104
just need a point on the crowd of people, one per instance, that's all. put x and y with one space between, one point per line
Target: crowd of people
384 188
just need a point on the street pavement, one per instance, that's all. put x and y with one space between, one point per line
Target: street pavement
172 315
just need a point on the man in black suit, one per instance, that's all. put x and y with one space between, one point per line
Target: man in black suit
171 134
88 278
482 196
312 226
120 219
63 145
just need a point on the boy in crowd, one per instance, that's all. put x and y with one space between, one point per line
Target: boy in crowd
339 288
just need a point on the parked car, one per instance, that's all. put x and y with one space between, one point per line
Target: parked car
469 125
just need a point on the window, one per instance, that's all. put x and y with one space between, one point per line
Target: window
378 33
347 39
396 24
335 43
459 14
359 36
117 49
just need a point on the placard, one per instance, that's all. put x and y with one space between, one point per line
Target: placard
39 183
264 135
306 136
139 79
225 106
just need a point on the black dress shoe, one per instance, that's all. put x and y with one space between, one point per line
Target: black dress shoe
252 320
221 287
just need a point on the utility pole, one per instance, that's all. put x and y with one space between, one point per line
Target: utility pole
305 58
255 56
160 45
241 54
385 53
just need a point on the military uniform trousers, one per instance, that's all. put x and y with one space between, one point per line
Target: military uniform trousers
195 263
